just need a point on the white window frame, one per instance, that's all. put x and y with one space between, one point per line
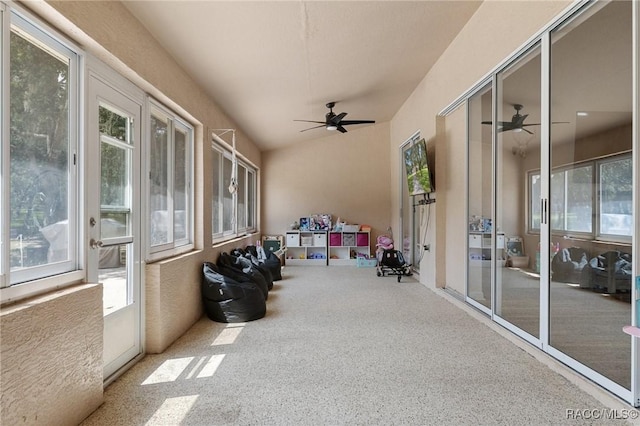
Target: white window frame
596 233
251 196
29 282
174 123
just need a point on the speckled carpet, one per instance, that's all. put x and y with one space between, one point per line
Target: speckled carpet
340 346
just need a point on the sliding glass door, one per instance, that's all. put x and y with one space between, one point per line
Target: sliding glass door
518 130
590 207
480 209
551 195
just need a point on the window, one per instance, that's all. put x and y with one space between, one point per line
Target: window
233 195
39 192
615 201
170 177
573 206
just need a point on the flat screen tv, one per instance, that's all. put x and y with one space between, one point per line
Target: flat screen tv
417 168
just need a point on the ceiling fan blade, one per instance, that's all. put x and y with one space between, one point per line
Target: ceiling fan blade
341 129
528 131
500 123
311 121
519 121
347 122
538 124
310 128
336 119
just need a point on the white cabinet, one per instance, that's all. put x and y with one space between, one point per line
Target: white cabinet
306 248
345 247
480 247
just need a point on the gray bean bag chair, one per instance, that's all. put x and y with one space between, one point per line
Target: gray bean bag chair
567 264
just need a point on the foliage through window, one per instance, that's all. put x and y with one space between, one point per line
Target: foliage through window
41 207
170 177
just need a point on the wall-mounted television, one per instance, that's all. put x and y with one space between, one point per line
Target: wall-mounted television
417 168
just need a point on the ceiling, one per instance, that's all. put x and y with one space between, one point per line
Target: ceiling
266 63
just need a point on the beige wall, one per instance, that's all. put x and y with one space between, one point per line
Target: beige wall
51 357
346 175
495 31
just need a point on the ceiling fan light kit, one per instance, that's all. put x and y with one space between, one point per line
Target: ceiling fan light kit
334 121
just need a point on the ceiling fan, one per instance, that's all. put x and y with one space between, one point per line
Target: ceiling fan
517 122
334 121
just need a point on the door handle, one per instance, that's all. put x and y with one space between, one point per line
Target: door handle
94 244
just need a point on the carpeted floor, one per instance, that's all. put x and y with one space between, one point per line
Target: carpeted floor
340 346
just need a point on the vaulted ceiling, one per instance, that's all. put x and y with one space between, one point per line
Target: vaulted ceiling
267 63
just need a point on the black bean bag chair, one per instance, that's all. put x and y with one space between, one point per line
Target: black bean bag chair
227 300
609 272
567 264
257 263
234 265
270 260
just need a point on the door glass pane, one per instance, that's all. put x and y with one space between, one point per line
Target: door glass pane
479 184
517 284
159 182
590 283
39 152
115 208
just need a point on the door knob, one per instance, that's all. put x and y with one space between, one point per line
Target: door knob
94 244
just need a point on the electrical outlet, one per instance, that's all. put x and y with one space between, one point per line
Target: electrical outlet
427 247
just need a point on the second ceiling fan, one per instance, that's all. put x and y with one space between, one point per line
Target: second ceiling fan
335 121
517 122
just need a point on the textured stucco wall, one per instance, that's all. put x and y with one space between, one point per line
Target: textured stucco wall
172 300
51 357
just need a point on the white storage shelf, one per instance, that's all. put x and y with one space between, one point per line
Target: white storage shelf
480 248
306 248
344 247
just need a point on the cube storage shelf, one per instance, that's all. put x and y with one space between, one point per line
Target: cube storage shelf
306 248
344 247
480 248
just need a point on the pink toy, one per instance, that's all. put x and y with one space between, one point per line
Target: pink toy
385 242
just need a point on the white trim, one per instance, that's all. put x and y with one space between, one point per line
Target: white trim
5 225
635 231
545 185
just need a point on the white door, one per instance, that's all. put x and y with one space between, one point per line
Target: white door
113 190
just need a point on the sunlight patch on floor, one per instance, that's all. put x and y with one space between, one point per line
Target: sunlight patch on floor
168 371
228 335
210 367
173 410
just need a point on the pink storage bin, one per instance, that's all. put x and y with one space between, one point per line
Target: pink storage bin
335 239
362 239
